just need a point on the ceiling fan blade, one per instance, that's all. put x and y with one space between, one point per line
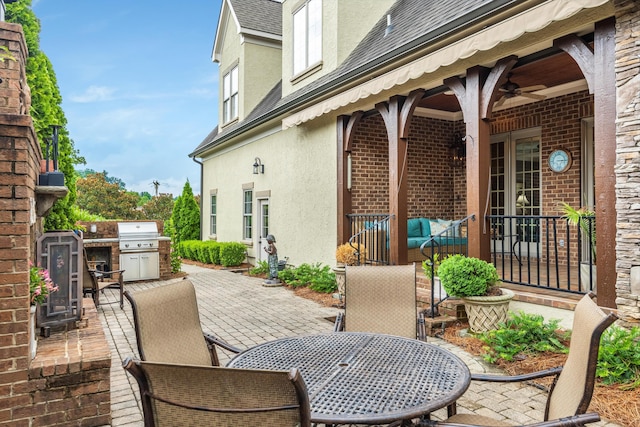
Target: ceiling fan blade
533 96
500 101
532 88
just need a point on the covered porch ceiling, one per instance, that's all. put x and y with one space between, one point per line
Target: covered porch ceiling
552 72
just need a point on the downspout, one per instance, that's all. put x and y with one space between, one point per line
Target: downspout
201 191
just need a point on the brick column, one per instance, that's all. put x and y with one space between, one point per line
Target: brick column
20 157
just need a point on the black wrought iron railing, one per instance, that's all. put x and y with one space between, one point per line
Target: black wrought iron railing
544 252
450 241
369 238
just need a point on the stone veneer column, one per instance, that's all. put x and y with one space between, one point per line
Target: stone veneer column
628 159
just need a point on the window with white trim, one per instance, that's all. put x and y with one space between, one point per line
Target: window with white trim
247 225
230 95
213 230
307 35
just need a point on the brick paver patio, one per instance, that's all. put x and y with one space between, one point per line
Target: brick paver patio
244 313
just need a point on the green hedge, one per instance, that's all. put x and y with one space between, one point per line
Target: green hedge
227 254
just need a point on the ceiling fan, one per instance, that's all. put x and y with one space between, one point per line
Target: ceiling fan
511 90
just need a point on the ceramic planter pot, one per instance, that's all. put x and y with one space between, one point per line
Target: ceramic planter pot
485 313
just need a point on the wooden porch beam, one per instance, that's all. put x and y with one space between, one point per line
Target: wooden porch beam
491 87
598 67
605 159
470 95
345 128
397 114
582 54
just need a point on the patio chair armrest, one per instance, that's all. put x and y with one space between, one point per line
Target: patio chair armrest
572 421
99 274
338 326
213 340
514 378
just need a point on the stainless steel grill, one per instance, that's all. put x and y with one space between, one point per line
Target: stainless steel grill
138 236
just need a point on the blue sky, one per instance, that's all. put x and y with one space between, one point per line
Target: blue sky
138 85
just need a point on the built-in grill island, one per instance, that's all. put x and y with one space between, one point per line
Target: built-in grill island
137 247
138 244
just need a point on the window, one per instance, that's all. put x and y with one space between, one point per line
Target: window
230 95
307 35
214 212
247 215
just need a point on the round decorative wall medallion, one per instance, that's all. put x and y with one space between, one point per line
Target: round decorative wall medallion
559 160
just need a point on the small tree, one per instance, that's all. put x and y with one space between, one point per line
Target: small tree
186 216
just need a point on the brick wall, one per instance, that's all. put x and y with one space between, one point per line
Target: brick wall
560 120
436 188
57 386
430 191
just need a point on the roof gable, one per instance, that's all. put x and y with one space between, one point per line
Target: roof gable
257 18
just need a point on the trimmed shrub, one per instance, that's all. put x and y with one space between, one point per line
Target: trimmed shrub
214 252
232 253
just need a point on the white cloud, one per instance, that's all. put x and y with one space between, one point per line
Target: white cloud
94 94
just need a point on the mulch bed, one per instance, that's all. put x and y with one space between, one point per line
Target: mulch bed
612 403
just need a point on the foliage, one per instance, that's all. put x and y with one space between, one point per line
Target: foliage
232 253
84 215
176 261
348 255
159 207
46 110
186 249
619 357
227 254
431 266
40 285
100 197
463 276
527 335
84 173
523 334
261 267
186 216
583 218
316 276
144 198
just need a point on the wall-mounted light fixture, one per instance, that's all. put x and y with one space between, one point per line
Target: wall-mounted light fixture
458 150
93 228
258 167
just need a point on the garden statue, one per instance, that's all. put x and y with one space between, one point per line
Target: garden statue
272 260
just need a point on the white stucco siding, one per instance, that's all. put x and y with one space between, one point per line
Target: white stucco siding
344 24
229 56
300 179
303 213
260 71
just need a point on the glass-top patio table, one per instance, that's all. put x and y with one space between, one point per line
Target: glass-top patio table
363 378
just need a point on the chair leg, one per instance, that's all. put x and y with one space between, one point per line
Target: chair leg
121 286
452 409
96 298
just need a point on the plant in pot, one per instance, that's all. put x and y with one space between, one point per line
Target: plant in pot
475 281
584 219
347 255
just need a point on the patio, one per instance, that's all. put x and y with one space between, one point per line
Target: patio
244 313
